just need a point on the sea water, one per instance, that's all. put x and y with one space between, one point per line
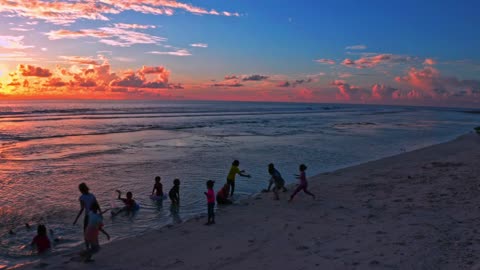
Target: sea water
48 147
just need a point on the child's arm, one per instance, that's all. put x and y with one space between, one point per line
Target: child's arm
79 212
106 234
153 190
242 173
119 194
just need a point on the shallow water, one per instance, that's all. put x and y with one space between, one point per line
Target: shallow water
48 148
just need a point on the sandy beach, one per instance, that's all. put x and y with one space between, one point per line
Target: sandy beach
416 210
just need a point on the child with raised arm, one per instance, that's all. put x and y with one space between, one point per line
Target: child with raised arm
157 188
210 202
234 170
41 241
174 192
130 204
95 225
303 183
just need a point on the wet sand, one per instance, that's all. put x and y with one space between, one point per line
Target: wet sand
417 210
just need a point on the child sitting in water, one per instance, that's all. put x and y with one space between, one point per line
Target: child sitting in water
210 202
130 204
174 193
222 195
95 225
41 241
157 188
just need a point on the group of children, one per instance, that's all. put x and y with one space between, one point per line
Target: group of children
93 219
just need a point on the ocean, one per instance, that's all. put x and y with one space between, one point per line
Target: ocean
48 147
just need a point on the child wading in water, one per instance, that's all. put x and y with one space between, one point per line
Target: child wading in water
157 188
234 170
41 241
95 225
174 193
130 204
210 202
303 183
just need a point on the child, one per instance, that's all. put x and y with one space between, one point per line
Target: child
277 180
303 183
210 202
41 240
174 193
86 201
234 170
95 225
222 195
157 188
130 204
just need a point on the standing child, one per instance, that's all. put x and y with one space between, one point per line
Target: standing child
174 193
86 201
303 183
234 170
41 241
157 188
210 202
95 225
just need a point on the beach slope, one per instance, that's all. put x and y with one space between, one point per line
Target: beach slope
417 210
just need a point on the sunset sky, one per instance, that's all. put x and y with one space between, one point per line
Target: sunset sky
345 51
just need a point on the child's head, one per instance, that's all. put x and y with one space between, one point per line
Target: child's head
210 184
95 207
236 163
83 188
303 167
129 195
176 182
41 230
271 168
157 179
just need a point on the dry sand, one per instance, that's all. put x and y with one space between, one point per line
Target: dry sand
417 210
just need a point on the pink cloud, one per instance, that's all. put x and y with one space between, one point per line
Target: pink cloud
108 35
13 43
325 61
67 12
430 82
373 61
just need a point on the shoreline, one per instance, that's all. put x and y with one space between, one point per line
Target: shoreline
277 229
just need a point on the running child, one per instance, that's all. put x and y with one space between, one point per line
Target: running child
95 225
234 170
41 241
303 183
174 192
210 202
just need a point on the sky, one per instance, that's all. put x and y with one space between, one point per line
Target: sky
341 51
